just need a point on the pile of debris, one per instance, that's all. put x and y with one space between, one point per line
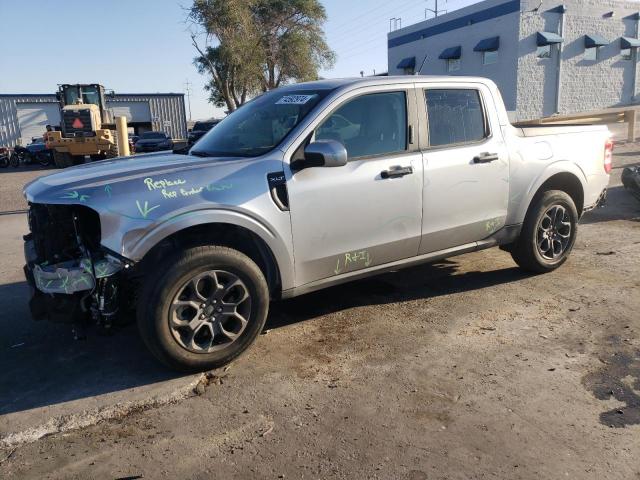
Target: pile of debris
631 180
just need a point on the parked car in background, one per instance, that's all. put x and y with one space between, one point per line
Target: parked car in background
286 197
35 152
199 129
154 142
132 143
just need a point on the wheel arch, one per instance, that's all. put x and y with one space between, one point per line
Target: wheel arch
230 229
224 234
567 178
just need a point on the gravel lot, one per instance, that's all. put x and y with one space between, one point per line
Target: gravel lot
464 369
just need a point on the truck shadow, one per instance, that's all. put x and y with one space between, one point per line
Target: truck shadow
424 281
42 365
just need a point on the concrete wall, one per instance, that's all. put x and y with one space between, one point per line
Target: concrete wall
585 85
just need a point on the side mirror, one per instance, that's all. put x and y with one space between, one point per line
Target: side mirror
325 153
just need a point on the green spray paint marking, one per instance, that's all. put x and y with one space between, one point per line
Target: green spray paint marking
75 196
107 188
82 279
337 269
220 187
101 270
492 225
361 257
145 211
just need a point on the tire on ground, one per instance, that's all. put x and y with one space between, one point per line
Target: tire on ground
525 250
62 159
158 293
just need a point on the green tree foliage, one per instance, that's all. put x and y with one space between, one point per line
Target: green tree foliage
258 45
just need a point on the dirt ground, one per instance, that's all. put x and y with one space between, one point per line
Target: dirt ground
466 369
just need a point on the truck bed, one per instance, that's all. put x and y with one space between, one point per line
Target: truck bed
530 130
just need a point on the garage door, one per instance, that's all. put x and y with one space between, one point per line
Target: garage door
34 117
136 112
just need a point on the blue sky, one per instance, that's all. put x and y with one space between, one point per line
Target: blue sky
144 45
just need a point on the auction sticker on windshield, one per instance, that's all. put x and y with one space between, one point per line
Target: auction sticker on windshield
294 99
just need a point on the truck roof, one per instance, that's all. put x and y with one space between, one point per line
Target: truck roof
366 81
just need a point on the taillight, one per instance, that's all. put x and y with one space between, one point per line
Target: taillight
608 155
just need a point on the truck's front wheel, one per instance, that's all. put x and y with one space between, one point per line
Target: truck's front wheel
203 307
548 233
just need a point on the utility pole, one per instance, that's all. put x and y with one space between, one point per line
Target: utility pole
187 88
435 11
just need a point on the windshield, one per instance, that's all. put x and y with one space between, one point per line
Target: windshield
260 125
147 135
203 126
90 94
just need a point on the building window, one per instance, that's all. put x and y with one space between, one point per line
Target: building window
591 54
489 57
453 65
544 51
625 53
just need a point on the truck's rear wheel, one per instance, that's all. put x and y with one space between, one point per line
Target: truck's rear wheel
203 308
548 233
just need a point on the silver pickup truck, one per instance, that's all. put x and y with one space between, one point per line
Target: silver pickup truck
304 187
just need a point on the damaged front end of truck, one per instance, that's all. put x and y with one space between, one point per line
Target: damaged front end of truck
72 277
92 226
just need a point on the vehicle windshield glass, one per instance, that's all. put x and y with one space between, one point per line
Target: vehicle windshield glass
147 135
203 126
89 95
260 125
70 95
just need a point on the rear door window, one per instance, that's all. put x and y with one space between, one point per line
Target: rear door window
456 116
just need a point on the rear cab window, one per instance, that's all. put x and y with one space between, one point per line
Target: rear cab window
455 117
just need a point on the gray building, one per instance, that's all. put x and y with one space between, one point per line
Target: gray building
23 116
547 57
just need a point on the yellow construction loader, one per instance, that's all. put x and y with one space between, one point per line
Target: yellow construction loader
87 127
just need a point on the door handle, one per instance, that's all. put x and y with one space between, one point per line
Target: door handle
486 157
396 171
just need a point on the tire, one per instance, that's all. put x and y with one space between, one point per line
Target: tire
14 160
543 245
171 291
62 159
113 151
44 158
